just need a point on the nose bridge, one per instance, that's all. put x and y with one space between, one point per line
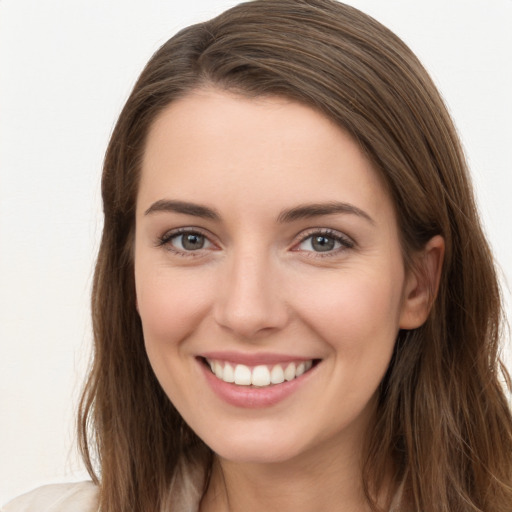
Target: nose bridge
250 301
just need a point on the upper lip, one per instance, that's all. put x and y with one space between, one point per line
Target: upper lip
255 359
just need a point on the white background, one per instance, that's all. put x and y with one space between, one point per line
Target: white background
66 67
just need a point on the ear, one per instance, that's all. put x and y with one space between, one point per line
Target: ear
422 283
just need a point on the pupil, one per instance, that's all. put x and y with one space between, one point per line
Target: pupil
323 243
192 242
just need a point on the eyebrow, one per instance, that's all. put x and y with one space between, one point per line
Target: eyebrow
305 211
169 205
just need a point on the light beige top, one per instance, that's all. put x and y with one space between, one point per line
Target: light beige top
75 497
185 495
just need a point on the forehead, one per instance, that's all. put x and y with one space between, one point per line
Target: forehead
215 146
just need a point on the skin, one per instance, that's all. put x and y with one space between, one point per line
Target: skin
259 285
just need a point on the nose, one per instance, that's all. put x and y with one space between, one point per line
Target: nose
250 302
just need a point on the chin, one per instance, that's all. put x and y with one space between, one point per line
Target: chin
263 447
257 454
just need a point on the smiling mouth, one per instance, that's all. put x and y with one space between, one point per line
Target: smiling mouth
260 375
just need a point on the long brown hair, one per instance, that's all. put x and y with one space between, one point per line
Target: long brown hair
442 418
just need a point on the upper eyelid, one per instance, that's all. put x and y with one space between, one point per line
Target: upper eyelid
304 235
170 233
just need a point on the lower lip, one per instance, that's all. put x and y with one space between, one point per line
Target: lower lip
253 397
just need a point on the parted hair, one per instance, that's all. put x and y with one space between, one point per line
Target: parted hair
442 421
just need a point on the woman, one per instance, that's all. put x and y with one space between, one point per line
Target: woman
294 304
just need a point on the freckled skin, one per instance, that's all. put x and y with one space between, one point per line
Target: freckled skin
258 284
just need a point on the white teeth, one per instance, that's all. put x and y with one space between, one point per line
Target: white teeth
217 369
289 373
277 375
242 375
261 375
229 374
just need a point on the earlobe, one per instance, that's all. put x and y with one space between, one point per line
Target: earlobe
422 283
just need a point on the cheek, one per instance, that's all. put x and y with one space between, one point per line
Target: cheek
170 307
358 319
358 312
169 303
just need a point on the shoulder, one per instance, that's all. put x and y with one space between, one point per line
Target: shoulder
73 497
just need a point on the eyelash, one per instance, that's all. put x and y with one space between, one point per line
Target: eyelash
344 241
165 241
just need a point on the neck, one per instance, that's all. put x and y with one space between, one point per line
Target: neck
311 482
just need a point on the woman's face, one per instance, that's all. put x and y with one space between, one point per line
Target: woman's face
266 248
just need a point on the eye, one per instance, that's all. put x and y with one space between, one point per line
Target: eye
185 241
324 242
189 241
